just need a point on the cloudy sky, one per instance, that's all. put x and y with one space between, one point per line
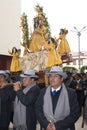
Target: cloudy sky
62 14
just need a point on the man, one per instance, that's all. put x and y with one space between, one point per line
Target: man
5 102
24 105
57 110
69 81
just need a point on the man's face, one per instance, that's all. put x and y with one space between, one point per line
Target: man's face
27 81
2 78
55 80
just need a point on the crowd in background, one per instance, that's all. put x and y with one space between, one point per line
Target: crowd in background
10 89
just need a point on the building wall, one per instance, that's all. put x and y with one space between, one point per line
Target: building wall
10 11
74 63
5 62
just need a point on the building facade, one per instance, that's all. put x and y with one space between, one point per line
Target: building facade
10 12
77 61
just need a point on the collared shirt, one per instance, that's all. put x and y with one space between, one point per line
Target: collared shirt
56 89
55 96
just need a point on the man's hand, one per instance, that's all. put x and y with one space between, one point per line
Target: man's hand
17 86
51 126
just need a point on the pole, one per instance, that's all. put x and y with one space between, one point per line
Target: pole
79 34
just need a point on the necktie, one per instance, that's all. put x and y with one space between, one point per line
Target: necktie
54 92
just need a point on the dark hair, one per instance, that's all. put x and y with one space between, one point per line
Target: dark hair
15 49
51 40
34 78
61 31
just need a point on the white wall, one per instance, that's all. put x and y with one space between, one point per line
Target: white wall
10 12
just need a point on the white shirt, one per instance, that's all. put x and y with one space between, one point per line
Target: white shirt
56 89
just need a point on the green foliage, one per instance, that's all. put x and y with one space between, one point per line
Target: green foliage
71 69
42 21
83 68
25 32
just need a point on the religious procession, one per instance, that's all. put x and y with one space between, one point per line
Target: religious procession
36 93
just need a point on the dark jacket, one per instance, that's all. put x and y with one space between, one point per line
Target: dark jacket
5 106
69 121
29 100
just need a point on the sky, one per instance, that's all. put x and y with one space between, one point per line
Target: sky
62 14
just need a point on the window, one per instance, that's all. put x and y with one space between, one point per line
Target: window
74 62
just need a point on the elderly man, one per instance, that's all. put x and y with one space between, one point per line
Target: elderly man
57 107
24 105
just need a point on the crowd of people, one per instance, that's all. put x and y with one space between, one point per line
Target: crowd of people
56 107
17 101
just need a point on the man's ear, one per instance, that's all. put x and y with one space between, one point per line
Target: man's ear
33 79
62 79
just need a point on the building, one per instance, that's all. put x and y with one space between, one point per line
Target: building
10 12
75 60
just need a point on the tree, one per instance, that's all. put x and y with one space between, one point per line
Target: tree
83 69
71 69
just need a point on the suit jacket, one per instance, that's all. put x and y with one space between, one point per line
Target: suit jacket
6 106
66 123
29 100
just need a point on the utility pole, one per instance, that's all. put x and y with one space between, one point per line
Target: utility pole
79 34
